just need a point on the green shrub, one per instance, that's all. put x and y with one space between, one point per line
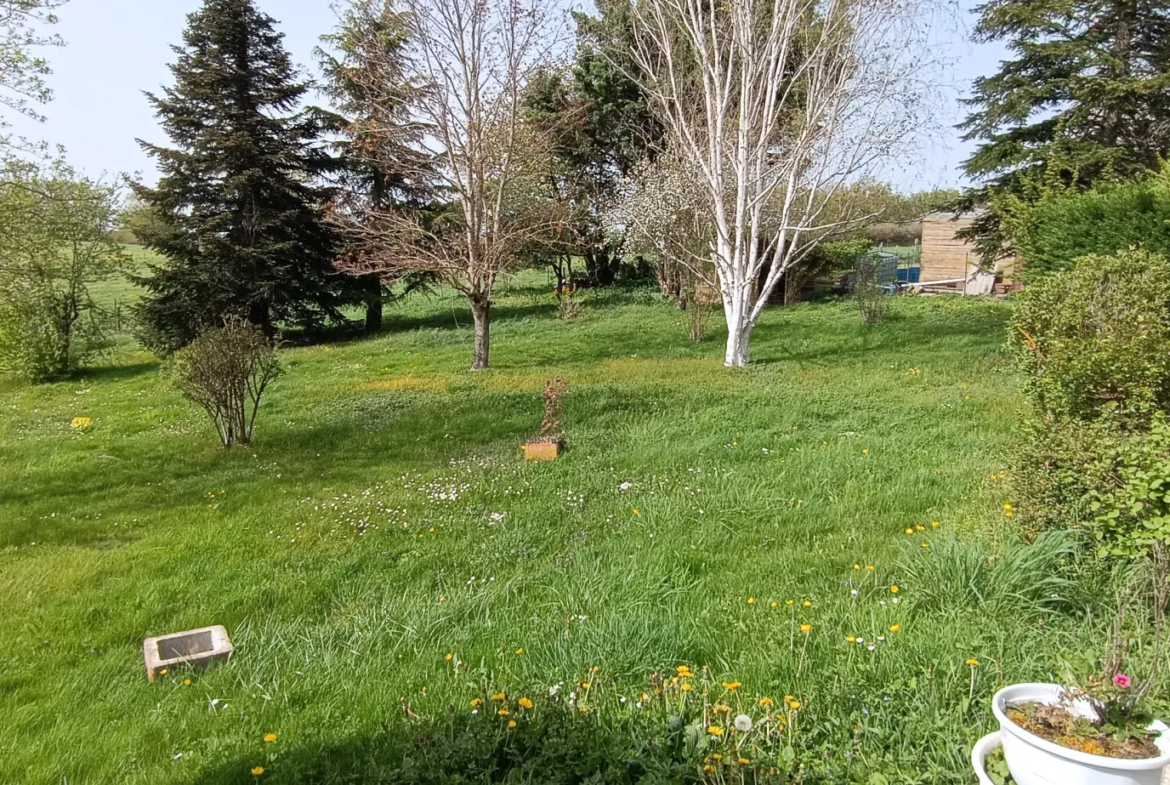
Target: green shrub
1097 335
1051 233
226 371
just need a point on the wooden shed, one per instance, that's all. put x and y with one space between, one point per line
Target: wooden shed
946 257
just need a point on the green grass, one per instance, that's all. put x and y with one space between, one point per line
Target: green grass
340 549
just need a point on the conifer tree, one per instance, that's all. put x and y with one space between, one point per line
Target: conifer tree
1085 98
242 228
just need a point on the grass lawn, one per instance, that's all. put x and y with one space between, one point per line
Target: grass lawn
384 520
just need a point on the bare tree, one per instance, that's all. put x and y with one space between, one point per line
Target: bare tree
473 59
774 106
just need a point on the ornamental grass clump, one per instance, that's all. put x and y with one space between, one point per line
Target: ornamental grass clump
226 371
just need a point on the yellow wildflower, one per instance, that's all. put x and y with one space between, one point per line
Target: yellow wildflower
731 685
186 682
520 650
751 600
449 656
790 602
869 567
718 756
744 762
806 628
687 686
636 511
909 530
894 588
1007 507
715 730
766 702
807 603
475 702
525 703
851 638
81 423
794 704
926 545
257 771
974 663
775 604
857 566
511 723
935 524
685 671
500 696
721 709
269 737
503 712
920 527
895 628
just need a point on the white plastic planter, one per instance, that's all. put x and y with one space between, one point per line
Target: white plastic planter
1036 761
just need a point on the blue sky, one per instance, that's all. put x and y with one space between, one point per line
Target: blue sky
118 48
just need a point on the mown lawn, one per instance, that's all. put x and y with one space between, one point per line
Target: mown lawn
384 519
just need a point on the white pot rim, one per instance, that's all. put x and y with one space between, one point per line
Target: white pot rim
1047 693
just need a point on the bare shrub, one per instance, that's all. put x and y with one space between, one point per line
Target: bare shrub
698 314
871 296
551 427
226 371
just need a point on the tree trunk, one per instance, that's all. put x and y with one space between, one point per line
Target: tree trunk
737 354
259 315
480 312
374 304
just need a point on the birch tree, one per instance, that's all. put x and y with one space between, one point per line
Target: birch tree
473 59
775 106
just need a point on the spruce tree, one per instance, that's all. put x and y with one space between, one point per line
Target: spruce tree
242 229
1084 99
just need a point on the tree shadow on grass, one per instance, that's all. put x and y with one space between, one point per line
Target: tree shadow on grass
553 747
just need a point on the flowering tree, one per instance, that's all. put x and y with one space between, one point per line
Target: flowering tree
774 106
472 60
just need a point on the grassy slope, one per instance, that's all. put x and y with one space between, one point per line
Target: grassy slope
344 576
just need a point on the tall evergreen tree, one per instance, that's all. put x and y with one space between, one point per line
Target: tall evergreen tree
242 227
1085 98
383 164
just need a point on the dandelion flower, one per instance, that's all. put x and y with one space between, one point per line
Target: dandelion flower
687 686
163 672
684 671
636 511
1007 508
743 723
503 712
520 650
894 588
449 656
920 527
731 685
511 723
269 737
186 682
869 567
807 603
766 702
974 663
935 524
857 566
525 703
751 600
790 602
500 696
744 762
926 545
257 771
895 628
909 530
715 730
475 702
806 628
775 604
794 704
851 639
81 423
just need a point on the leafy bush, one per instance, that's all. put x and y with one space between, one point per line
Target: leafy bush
1129 492
226 371
1097 335
55 240
1051 233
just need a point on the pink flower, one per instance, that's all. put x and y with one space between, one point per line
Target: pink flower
1122 681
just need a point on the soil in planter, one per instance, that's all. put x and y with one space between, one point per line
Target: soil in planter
1060 726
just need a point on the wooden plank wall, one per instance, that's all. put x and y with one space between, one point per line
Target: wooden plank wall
944 256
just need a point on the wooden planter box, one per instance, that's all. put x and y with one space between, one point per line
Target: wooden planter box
542 450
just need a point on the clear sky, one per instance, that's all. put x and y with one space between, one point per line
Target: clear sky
118 48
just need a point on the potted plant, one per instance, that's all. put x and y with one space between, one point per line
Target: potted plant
551 441
1097 734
